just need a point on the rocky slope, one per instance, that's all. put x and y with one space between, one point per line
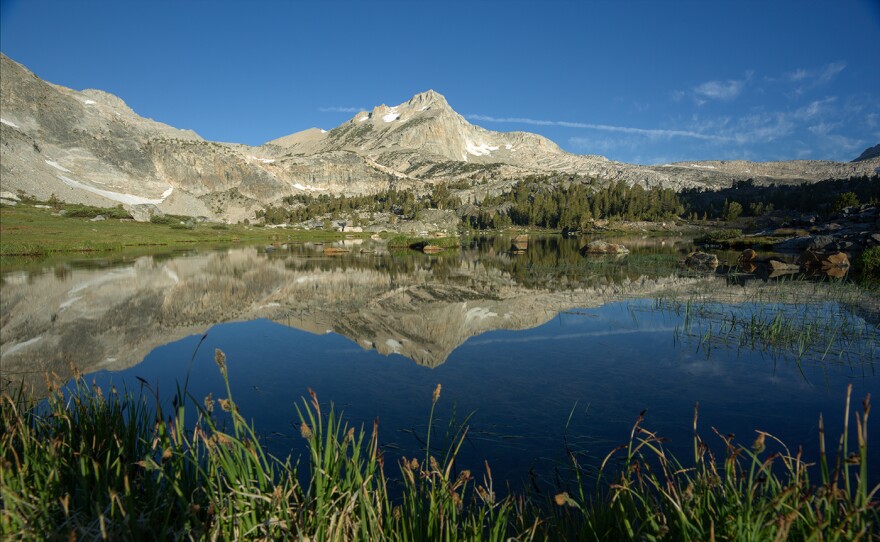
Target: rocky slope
89 147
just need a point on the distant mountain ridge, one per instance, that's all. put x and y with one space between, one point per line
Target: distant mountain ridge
90 147
870 152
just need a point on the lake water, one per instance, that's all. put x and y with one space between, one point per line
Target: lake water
537 351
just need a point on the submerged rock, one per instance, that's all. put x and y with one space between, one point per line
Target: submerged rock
824 260
701 261
779 265
603 247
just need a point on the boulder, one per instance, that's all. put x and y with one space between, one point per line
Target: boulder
821 242
520 242
603 247
701 261
143 212
748 255
438 219
836 259
98 218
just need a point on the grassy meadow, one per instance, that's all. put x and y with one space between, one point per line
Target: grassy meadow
28 231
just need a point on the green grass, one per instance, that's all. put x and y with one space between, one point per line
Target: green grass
30 231
869 263
85 465
802 330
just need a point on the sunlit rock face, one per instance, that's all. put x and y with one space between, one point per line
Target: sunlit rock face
90 147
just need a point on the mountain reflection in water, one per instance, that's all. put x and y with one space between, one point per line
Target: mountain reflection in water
520 339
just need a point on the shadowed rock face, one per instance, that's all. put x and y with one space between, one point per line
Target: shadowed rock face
422 308
89 147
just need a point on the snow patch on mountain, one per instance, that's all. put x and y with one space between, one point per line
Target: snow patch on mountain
129 199
57 166
483 149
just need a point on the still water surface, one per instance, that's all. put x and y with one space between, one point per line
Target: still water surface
538 351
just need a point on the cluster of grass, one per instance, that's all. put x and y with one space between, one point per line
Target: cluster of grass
169 219
869 263
811 330
85 465
32 231
733 238
718 236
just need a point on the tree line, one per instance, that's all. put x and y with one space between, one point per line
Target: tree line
573 204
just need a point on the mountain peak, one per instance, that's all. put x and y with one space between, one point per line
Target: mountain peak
427 100
870 152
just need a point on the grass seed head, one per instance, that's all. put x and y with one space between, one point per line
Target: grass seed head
220 360
305 431
758 446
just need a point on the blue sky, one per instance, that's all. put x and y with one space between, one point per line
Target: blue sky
636 81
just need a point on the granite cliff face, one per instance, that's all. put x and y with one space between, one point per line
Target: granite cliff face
89 147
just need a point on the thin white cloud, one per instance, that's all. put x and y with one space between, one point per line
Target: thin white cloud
339 109
808 78
797 75
720 90
649 132
831 71
814 108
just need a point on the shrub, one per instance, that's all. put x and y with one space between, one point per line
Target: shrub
161 219
88 211
732 210
847 199
869 262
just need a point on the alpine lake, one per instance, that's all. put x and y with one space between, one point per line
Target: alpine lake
544 354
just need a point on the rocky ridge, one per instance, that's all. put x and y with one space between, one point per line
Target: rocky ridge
90 147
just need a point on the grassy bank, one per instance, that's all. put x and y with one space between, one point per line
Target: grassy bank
28 230
87 465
